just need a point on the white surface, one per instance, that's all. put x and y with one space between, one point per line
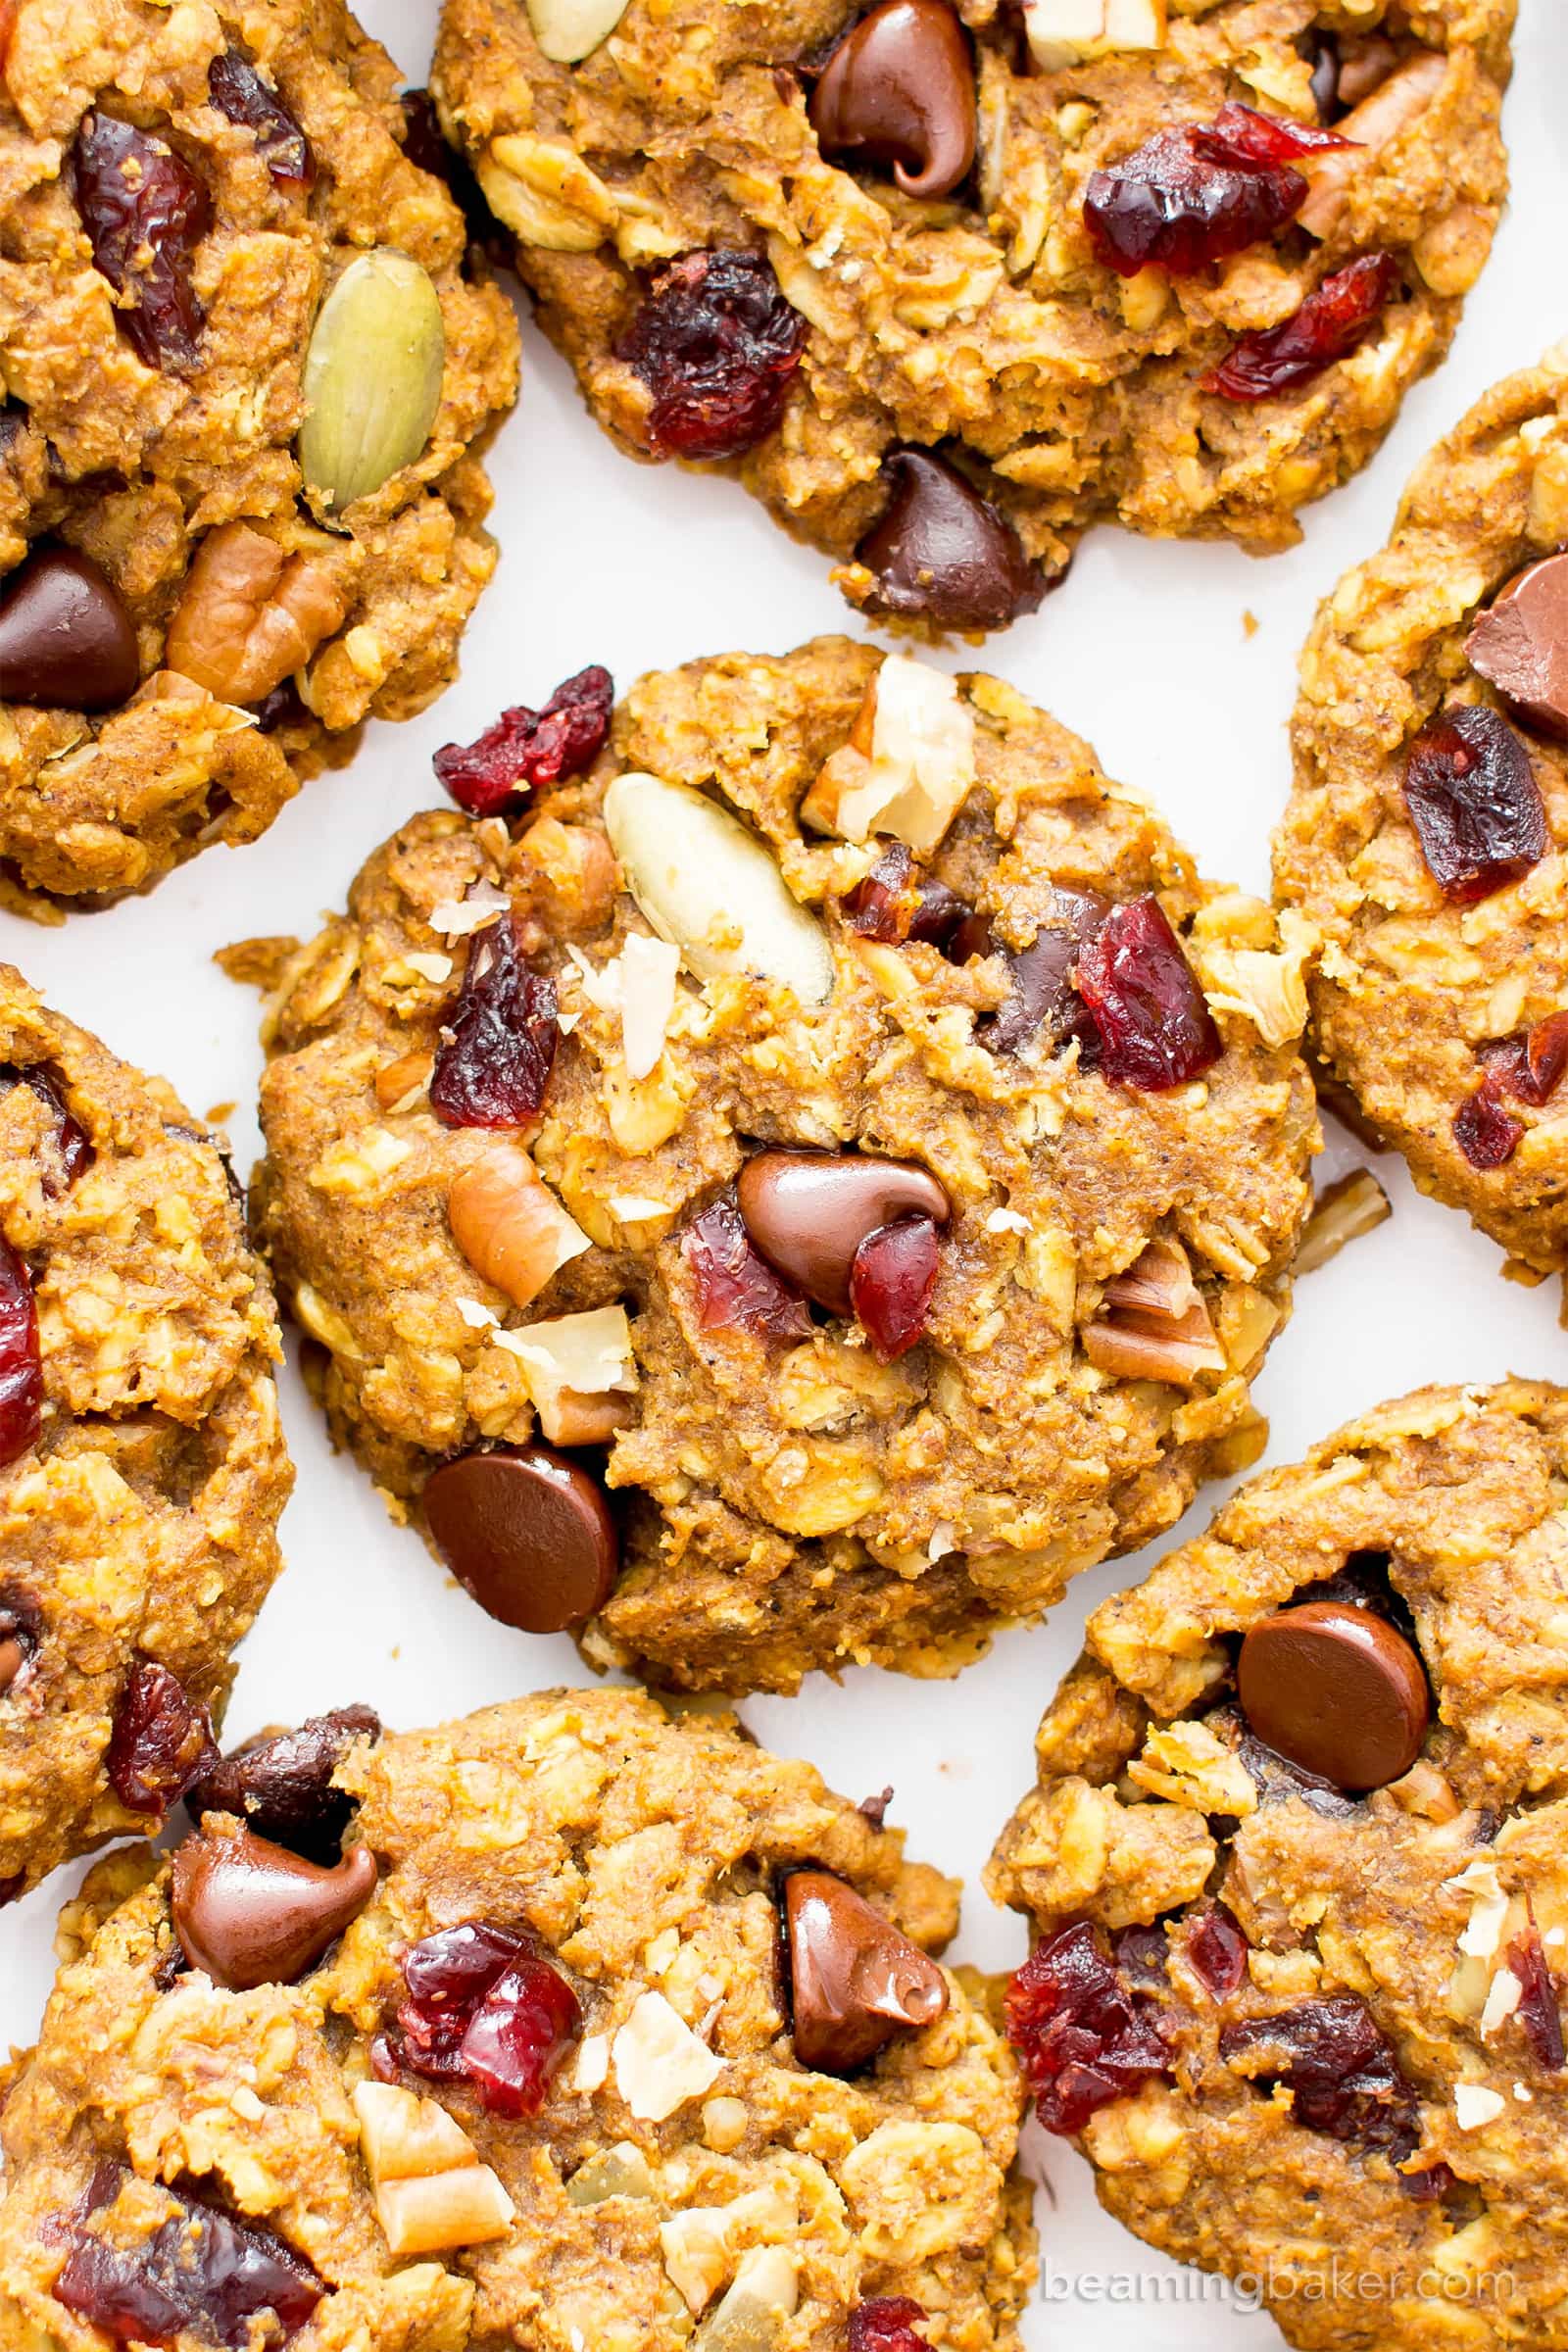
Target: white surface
1143 651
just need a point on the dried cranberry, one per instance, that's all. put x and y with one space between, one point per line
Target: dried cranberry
1531 1068
1143 1956
890 1282
1155 1029
161 1741
238 92
1083 2037
1217 1951
145 212
525 748
282 1788
1334 318
493 1069
892 905
1346 2081
447 1977
1043 994
716 345
1474 801
21 1359
231 2284
737 1289
1538 2012
887 2323
518 2036
70 1154
1200 192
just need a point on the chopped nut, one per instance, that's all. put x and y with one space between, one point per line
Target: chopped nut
1071 32
251 614
658 2062
432 2193
724 2124
579 1371
508 1225
765 2292
1159 1327
569 874
568 30
918 768
545 193
1390 109
1189 1765
1475 2106
1425 1792
400 1082
1356 1205
618 2172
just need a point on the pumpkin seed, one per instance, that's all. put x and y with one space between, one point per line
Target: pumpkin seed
372 377
568 30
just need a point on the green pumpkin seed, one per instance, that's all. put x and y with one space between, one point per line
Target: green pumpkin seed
372 379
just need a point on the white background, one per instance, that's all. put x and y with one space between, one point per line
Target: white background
1143 651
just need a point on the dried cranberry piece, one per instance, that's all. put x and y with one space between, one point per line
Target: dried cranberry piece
1346 2081
890 1282
494 1067
892 905
1043 992
887 2323
1201 193
240 94
146 212
448 1976
161 1741
1334 318
1531 1068
525 748
1538 2012
716 345
70 1154
1217 1950
21 1359
232 2284
1083 2037
1143 1956
1474 801
737 1289
1155 1029
518 2036
115 2293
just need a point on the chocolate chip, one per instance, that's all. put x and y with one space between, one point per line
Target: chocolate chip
250 1913
1520 645
808 1213
1337 1690
529 1532
856 1981
281 1784
1043 992
67 642
898 89
942 553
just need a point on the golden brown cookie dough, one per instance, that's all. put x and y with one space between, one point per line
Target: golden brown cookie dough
979 322
231 618
793 1492
1327 2055
143 1468
654 2165
1431 1007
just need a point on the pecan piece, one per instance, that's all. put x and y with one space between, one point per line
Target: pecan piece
251 614
1155 1325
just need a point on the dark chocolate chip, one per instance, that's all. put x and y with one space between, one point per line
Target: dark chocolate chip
898 89
67 642
808 1213
252 1913
856 1981
529 1532
1337 1690
282 1784
1520 645
942 553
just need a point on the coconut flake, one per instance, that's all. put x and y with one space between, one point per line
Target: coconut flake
1488 1913
660 2063
429 967
457 919
587 1354
1503 1996
593 2064
1475 2105
1007 1220
648 969
944 1539
477 1315
921 768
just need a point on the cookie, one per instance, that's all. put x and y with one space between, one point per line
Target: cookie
142 1467
1425 837
600 2029
815 1103
1296 1867
945 286
245 368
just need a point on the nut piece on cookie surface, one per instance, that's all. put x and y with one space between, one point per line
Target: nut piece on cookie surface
1425 838
943 285
929 1156
249 359
142 1466
1295 1870
561 2034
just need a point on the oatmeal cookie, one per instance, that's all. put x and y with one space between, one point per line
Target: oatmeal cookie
1298 1865
142 1467
244 368
1427 838
815 1102
600 2029
943 285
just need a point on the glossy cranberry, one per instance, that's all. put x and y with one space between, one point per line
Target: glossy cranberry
887 2323
891 1284
737 1289
21 1359
68 1153
1083 2037
1155 1029
494 1067
1537 2013
1042 996
716 345
161 1741
1531 1066
1474 801
447 1977
1346 2081
1200 192
1486 1130
145 212
1332 321
520 2036
226 2282
240 94
1217 1951
526 749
